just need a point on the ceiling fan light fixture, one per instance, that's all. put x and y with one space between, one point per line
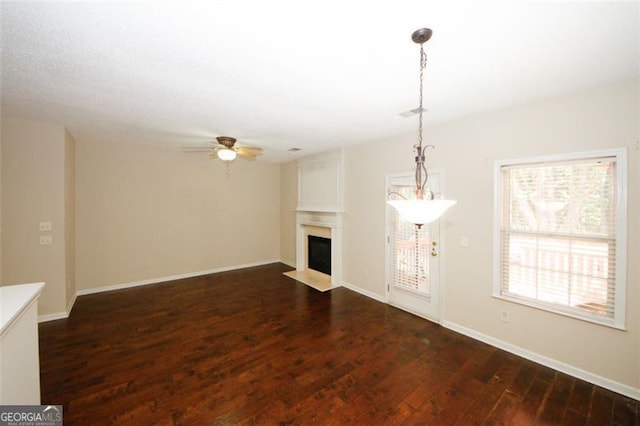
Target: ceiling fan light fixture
226 154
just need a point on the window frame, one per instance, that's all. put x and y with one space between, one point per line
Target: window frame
619 315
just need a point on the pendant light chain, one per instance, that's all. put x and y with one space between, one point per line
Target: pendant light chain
423 64
420 183
420 157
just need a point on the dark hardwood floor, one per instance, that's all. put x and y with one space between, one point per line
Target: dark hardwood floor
255 347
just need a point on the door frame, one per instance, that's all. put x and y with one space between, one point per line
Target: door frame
439 299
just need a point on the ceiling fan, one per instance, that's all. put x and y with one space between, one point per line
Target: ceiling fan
226 150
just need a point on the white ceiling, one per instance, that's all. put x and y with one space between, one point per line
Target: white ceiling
284 74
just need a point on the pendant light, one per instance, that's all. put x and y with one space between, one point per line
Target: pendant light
426 207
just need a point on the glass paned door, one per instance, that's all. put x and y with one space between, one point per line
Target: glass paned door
412 256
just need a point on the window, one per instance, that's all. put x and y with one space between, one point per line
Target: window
560 230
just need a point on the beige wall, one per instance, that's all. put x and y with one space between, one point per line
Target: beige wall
0 202
146 212
631 303
33 188
466 150
289 195
70 217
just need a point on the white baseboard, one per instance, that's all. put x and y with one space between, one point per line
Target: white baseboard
364 292
286 262
53 317
612 385
170 278
59 315
71 303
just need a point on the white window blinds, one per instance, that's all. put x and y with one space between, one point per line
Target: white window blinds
558 236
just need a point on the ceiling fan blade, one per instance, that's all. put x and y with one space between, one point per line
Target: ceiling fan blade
196 149
247 155
251 148
249 152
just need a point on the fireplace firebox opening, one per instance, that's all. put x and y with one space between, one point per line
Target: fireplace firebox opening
319 254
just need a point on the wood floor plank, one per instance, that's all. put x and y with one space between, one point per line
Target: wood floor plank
625 412
556 402
254 347
601 410
580 398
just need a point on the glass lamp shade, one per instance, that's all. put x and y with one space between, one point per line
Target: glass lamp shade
421 212
226 154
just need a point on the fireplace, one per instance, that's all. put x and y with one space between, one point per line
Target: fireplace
318 250
319 213
319 254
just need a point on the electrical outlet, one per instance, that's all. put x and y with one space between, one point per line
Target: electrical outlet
504 316
46 240
45 226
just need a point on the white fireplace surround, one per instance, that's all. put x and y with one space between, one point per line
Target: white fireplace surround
320 208
306 221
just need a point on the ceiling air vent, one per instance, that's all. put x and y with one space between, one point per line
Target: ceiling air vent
412 112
